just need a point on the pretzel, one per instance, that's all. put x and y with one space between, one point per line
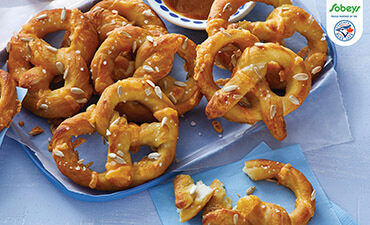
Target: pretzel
248 79
190 197
34 63
154 60
122 136
218 20
285 174
110 14
249 210
9 104
282 23
105 67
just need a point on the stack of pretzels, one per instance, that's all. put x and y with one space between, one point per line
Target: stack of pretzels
121 52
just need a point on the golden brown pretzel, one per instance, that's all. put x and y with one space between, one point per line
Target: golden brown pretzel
154 60
250 210
122 40
218 20
9 104
34 63
221 11
122 136
110 14
248 79
282 23
285 174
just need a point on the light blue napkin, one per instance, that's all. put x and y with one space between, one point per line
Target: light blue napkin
236 183
21 93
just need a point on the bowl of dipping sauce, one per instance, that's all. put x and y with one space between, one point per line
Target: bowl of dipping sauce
192 14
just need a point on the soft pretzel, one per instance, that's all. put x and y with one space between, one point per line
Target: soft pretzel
219 198
190 197
104 65
248 79
290 177
250 210
154 60
282 23
122 136
218 20
9 104
110 14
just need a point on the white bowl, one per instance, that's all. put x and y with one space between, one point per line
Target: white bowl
171 16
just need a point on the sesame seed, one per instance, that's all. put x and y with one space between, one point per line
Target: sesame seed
180 84
77 91
230 88
150 38
250 190
63 14
164 120
119 160
81 161
42 16
272 111
316 69
185 44
154 155
114 11
58 153
235 218
172 98
134 45
44 106
156 68
108 133
51 48
227 6
193 123
120 153
119 91
313 195
126 34
60 67
150 83
259 44
65 73
146 21
112 155
233 60
158 91
148 12
115 121
301 76
148 68
26 39
81 101
294 100
227 34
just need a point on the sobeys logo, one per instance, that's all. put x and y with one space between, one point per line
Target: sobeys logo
341 8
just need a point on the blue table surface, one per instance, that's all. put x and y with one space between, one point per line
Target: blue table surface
27 197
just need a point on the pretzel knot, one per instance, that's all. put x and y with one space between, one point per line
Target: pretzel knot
154 61
248 79
290 177
282 23
105 67
122 136
34 63
110 14
9 104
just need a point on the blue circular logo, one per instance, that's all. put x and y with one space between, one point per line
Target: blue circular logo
344 30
